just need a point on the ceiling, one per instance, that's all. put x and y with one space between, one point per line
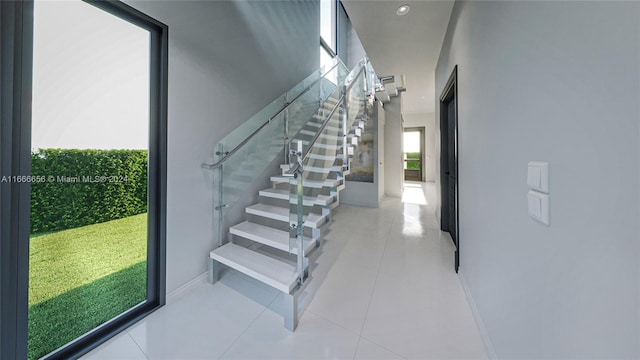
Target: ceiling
406 45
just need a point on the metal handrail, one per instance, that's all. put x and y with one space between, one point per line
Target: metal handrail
246 140
348 86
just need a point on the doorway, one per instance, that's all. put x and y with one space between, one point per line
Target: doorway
413 153
449 162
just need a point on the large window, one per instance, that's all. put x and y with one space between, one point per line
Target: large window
91 160
328 31
328 23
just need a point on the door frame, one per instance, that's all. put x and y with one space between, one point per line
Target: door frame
16 66
421 130
450 91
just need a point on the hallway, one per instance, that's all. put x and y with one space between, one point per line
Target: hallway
382 288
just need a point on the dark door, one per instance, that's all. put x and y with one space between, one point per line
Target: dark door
452 168
449 162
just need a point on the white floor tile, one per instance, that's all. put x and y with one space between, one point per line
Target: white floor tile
121 347
344 295
203 325
315 338
418 322
383 287
370 351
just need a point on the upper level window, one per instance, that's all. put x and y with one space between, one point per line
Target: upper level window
328 23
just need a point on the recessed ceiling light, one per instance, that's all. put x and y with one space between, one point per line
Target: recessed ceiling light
403 10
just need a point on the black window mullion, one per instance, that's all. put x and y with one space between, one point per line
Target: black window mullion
16 39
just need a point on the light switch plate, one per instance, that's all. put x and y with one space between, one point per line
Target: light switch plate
538 176
538 206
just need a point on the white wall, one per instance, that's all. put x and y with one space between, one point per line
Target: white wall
428 121
557 82
393 169
227 60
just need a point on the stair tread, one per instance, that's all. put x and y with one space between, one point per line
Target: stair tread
269 236
318 145
335 168
280 213
307 183
283 194
273 272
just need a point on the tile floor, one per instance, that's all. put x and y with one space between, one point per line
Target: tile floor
382 288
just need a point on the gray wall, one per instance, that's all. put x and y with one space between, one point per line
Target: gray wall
227 60
556 82
393 172
380 114
350 49
428 121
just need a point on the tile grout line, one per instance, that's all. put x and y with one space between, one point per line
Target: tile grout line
248 327
373 289
349 331
333 323
384 347
138 345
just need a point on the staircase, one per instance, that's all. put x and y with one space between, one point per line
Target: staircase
283 230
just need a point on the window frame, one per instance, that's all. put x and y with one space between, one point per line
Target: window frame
15 159
332 46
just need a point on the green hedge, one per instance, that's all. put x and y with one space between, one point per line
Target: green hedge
72 188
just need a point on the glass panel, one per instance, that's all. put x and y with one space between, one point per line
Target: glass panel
311 127
243 131
320 140
305 118
317 166
88 247
411 143
251 160
326 59
411 149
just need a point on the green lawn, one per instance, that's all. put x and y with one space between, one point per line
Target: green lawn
413 155
413 165
82 277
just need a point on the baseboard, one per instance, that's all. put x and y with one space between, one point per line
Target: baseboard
476 315
175 294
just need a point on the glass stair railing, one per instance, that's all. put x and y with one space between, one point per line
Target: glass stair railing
321 161
318 130
247 151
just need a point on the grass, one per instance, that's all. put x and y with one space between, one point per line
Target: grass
83 277
413 165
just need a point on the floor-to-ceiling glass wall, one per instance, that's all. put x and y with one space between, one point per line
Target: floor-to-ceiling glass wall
90 167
